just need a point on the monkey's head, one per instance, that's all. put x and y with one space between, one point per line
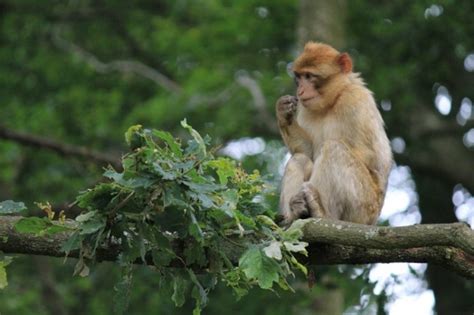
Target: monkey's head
317 67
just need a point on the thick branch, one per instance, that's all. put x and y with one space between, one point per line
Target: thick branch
60 148
331 242
457 235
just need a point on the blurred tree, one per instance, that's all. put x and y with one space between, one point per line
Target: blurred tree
81 72
323 21
411 55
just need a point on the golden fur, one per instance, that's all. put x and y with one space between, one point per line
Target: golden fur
341 156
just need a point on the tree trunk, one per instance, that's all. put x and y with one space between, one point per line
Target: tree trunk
322 21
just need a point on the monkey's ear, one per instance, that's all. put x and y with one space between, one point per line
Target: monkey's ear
345 62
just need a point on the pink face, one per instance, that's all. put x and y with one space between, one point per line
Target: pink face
307 84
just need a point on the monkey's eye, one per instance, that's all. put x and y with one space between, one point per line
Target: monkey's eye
297 79
312 76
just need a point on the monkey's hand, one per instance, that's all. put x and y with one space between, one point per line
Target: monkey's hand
286 109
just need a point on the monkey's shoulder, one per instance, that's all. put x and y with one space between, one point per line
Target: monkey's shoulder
356 104
356 94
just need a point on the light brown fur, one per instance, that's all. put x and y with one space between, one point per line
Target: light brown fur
341 156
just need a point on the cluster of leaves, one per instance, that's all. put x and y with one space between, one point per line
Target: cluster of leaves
196 218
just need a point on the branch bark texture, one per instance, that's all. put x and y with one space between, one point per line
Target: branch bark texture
331 242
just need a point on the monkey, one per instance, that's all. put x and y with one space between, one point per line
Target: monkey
340 153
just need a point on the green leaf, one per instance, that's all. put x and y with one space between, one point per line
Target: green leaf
72 243
194 228
98 197
202 187
92 226
197 137
139 242
114 175
134 182
198 292
179 287
56 228
133 137
231 198
224 167
32 225
162 258
185 166
122 291
5 261
234 279
39 226
258 266
131 248
10 206
205 200
298 247
3 276
298 265
273 250
245 220
293 233
86 216
197 310
81 268
170 141
166 173
195 254
263 219
172 195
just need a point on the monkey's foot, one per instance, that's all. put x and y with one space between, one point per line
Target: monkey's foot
279 219
311 196
298 206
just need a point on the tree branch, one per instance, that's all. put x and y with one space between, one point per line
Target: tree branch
331 242
124 66
60 148
457 235
259 101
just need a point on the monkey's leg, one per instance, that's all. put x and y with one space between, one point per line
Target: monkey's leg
313 201
292 202
343 186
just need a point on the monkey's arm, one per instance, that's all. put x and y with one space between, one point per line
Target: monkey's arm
293 135
295 139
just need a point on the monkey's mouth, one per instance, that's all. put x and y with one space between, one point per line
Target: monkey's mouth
306 100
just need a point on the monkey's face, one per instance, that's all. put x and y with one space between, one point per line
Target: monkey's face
308 88
315 69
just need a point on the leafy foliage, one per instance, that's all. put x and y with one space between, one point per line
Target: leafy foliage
181 209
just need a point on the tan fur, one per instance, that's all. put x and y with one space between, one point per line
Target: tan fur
341 154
